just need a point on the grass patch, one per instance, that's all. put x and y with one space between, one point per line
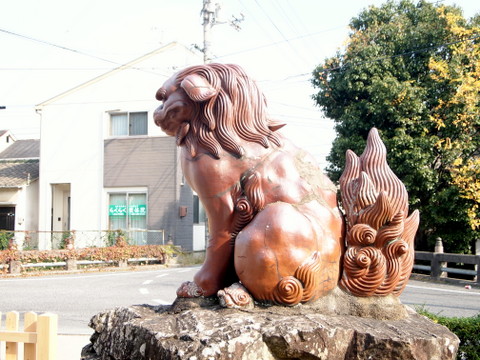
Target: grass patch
190 258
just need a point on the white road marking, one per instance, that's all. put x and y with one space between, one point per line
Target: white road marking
144 291
463 292
162 302
184 270
146 282
162 275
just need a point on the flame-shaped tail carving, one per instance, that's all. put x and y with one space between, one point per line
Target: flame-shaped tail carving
380 253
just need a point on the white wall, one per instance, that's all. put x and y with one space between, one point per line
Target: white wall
72 153
199 237
31 206
9 196
26 212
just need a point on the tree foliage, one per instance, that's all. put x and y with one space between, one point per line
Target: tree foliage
412 70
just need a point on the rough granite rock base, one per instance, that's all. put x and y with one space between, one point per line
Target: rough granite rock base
337 327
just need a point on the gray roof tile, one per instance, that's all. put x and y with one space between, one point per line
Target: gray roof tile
22 149
18 173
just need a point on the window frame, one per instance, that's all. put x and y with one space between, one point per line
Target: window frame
136 234
129 123
199 213
127 195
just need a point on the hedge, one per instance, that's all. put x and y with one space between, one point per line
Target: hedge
110 253
466 328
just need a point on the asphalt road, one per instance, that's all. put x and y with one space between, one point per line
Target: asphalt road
77 297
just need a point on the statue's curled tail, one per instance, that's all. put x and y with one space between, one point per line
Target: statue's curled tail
300 287
379 239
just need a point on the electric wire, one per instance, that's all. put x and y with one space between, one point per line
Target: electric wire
413 52
74 51
58 46
352 63
294 50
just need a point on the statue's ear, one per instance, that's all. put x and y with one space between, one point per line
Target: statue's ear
198 88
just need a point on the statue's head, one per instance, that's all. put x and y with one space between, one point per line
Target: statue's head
215 107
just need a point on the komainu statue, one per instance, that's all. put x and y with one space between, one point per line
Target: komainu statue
276 230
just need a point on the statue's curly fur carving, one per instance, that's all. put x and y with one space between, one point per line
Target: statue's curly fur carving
274 221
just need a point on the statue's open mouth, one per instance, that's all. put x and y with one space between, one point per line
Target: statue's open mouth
169 118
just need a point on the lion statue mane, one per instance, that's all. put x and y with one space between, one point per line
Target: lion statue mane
230 110
275 227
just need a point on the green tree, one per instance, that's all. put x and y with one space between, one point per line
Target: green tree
412 70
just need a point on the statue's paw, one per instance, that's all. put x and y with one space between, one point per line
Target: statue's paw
235 296
190 290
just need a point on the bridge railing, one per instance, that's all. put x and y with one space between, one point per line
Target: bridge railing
445 265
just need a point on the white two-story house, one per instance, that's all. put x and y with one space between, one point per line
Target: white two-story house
104 165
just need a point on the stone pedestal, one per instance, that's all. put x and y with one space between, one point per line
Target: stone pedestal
193 330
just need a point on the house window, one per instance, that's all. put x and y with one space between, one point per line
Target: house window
129 124
199 216
128 212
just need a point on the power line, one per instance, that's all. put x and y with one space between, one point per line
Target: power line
379 58
58 46
152 71
417 51
278 42
81 69
272 22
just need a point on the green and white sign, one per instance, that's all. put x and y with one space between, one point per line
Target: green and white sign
137 210
133 210
117 210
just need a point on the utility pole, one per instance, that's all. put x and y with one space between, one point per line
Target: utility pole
210 14
209 20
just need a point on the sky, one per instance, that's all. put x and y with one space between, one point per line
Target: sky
49 46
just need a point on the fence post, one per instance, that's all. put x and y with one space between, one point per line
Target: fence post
439 250
30 325
11 323
47 340
477 267
71 264
14 267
